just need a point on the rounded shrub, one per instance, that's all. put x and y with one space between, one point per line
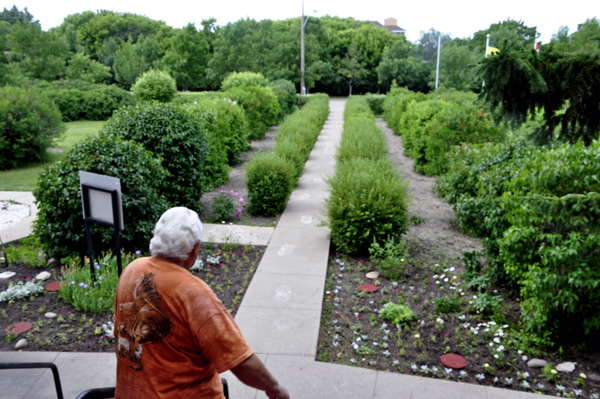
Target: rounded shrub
260 105
285 90
154 85
236 79
368 202
29 122
270 181
60 226
171 133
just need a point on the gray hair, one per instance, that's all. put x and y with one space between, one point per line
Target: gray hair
176 233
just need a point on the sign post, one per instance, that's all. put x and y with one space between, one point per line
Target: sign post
101 201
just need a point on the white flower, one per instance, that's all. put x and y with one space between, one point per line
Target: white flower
480 376
448 371
446 280
355 346
462 317
540 386
496 356
424 368
358 339
577 392
505 326
434 369
560 387
497 340
386 353
474 296
491 344
520 352
396 362
508 380
452 268
413 366
524 358
463 373
495 380
437 282
500 348
525 374
525 384
353 360
335 344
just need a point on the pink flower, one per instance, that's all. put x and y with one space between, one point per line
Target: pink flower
359 316
241 201
338 315
28 276
362 261
238 214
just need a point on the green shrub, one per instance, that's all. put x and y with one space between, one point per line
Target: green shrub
446 305
154 85
27 251
60 226
270 181
29 123
395 105
237 79
362 138
260 105
194 97
397 313
391 258
285 91
368 201
375 102
357 106
93 102
171 133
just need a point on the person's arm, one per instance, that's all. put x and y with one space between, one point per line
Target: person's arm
253 372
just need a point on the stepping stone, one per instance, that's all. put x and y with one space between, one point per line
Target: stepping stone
372 275
22 343
566 367
7 274
53 286
454 361
367 288
18 327
43 276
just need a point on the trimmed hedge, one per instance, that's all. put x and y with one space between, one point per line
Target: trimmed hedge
60 226
368 199
295 139
260 105
173 135
285 90
237 79
29 122
189 97
375 102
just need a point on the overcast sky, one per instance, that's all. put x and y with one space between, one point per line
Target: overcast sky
460 18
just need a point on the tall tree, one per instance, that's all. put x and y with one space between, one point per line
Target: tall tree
352 71
14 15
187 58
399 64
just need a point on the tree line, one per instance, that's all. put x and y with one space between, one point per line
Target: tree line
342 54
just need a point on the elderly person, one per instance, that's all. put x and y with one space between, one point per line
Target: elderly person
173 336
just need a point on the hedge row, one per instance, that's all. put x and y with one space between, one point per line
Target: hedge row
539 212
368 199
272 177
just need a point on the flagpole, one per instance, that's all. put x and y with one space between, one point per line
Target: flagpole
487 44
437 71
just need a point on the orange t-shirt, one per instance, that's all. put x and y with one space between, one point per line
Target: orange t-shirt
173 337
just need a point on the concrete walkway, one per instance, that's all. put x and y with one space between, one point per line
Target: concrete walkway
279 316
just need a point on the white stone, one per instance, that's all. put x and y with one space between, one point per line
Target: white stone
7 274
21 344
533 363
566 367
43 276
50 315
372 275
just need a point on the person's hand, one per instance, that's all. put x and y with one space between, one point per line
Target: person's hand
281 394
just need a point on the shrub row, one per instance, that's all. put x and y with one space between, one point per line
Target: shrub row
190 97
368 200
85 101
260 105
272 177
539 212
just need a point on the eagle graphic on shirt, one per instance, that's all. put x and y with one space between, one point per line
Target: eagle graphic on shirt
146 321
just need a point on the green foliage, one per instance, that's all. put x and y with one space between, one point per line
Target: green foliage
395 104
446 305
361 138
226 206
29 123
98 296
357 106
376 102
188 97
237 79
60 226
260 106
28 251
82 67
270 181
397 313
171 133
78 100
391 258
487 304
154 85
399 66
21 291
286 95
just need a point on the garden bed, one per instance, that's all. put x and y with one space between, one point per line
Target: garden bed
449 317
78 331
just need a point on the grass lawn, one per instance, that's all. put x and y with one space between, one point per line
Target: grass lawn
25 179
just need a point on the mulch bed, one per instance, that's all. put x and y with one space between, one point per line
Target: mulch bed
78 331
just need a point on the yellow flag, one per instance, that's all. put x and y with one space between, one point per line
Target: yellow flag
491 49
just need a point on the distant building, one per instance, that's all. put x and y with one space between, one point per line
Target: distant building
391 24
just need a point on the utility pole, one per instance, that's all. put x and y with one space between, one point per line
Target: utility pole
302 85
437 70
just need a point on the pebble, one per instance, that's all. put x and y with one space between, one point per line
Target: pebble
43 276
21 344
50 315
533 363
372 275
566 367
593 376
7 274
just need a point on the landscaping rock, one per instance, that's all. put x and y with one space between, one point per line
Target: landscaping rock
535 363
593 377
566 367
50 315
52 262
7 274
372 275
43 276
454 361
367 288
21 344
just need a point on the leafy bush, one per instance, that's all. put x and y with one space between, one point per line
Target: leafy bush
28 251
29 123
237 79
270 181
285 91
226 206
91 102
357 106
391 258
21 291
193 97
174 135
375 102
368 201
397 313
362 138
395 105
446 305
154 85
83 293
260 105
60 226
